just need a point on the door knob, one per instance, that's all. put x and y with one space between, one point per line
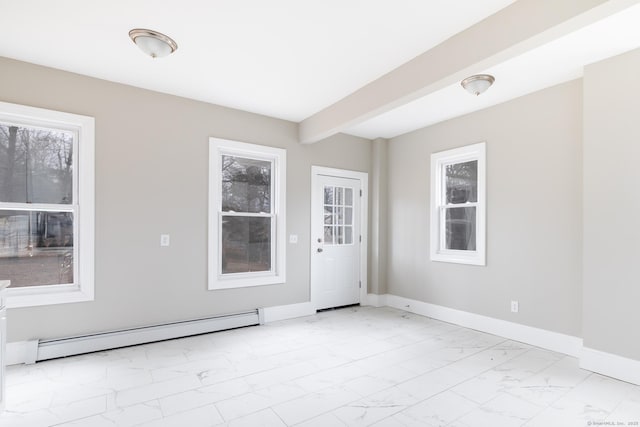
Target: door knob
319 250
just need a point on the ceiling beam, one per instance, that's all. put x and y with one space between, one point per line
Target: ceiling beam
520 27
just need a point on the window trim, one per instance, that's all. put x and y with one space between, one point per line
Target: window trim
277 156
83 206
438 162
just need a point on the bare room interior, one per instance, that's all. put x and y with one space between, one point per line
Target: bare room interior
317 214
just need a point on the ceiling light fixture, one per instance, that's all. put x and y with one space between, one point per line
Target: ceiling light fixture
477 84
153 43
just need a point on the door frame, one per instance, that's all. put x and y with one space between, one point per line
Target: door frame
363 177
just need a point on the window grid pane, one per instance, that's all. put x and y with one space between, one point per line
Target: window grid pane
461 182
348 216
37 164
348 196
37 247
348 235
246 244
460 228
246 184
328 195
328 215
328 235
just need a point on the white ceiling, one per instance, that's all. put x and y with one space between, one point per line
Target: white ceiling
291 58
556 62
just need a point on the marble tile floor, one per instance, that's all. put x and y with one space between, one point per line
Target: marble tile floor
357 366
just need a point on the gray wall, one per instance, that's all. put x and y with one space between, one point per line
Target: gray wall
151 178
611 205
379 179
534 221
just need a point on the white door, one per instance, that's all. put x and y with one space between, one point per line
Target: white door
335 241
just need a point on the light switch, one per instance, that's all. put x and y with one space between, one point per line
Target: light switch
293 238
165 240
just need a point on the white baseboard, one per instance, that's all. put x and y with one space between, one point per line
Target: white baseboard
284 312
375 300
603 363
22 352
611 365
549 340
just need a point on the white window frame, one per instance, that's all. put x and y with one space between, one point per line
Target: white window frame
439 161
278 158
83 206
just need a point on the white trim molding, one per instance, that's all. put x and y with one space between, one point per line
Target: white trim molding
611 365
375 300
608 364
289 311
554 341
561 343
22 352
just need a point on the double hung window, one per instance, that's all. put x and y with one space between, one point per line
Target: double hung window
246 214
46 205
458 205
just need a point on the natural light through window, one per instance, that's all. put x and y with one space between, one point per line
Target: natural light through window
458 205
46 205
246 214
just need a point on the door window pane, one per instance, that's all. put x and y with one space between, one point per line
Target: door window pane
348 216
460 228
348 196
348 235
36 247
246 185
338 211
340 215
246 244
339 195
328 195
328 235
36 165
462 182
328 215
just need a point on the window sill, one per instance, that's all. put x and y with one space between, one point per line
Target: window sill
37 296
245 282
459 258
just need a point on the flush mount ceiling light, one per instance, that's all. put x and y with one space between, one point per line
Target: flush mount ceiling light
153 43
477 84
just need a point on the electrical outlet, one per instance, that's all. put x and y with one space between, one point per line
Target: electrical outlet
515 306
165 240
293 238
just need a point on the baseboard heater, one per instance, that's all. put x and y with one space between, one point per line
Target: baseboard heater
55 348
